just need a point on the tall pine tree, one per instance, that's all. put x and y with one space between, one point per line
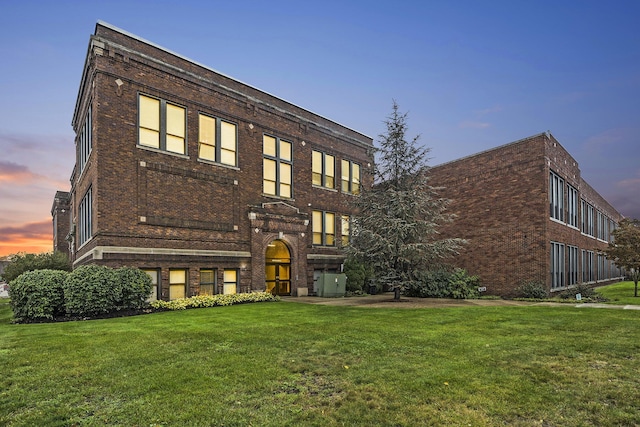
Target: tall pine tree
396 230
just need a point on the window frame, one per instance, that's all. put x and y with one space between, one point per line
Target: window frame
321 229
85 218
556 197
218 140
164 126
280 164
184 284
226 284
345 229
213 284
85 140
572 206
325 182
558 267
349 183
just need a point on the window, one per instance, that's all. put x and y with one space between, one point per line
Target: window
572 206
85 141
277 165
600 225
557 266
161 125
154 284
323 170
207 281
230 285
572 252
346 234
556 197
177 284
587 218
601 268
324 228
350 177
85 218
587 266
217 140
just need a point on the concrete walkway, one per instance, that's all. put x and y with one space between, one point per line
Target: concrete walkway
386 300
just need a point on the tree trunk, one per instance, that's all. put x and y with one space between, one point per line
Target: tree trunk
635 291
396 293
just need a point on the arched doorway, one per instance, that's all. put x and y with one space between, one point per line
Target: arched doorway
278 268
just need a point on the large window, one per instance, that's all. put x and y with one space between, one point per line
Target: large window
277 164
230 284
324 228
557 266
85 218
587 266
217 140
346 230
85 141
177 284
556 197
161 125
587 218
350 177
323 170
207 281
572 252
572 206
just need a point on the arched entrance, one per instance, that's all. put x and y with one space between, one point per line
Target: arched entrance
278 268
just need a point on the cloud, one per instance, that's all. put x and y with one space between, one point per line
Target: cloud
473 125
611 139
478 115
17 174
28 237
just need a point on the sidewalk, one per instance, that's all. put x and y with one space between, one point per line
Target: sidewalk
386 300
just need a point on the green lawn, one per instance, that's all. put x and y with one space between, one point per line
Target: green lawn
291 364
620 293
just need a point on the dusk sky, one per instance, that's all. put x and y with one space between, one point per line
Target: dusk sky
472 75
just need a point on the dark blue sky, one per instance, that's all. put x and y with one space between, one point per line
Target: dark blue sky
471 74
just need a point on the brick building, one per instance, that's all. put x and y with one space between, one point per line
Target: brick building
528 215
208 184
61 217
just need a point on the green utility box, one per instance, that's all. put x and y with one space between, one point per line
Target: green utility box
332 285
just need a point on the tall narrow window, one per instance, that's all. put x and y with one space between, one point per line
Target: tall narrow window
324 228
572 206
350 177
161 125
217 140
85 141
154 274
346 233
323 169
207 281
556 197
557 266
572 252
177 284
85 218
277 164
230 285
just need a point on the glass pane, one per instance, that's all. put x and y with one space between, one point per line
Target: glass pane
176 291
285 173
228 136
207 130
207 276
285 190
316 161
177 276
206 290
149 113
316 220
207 152
345 169
269 145
269 169
229 288
175 120
330 223
285 150
149 138
316 178
228 157
329 166
269 187
175 144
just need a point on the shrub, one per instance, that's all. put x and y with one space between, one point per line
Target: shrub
201 301
21 263
443 284
91 290
356 275
585 292
135 286
38 295
532 289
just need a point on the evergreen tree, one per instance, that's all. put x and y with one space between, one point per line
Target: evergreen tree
396 232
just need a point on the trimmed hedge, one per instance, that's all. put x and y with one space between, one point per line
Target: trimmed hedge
38 295
443 284
91 290
201 301
135 286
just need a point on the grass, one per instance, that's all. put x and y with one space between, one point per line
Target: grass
620 293
291 364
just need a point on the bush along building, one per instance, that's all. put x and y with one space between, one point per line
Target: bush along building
528 216
208 184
